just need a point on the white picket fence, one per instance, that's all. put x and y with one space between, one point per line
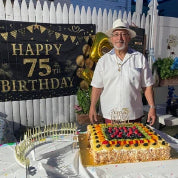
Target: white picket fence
39 112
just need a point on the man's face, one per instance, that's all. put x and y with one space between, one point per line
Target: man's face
120 39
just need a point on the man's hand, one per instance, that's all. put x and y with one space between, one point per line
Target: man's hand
93 115
95 94
151 116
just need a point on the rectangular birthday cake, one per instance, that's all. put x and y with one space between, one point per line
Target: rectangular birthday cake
128 142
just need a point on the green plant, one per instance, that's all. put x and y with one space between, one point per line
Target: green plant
83 97
164 68
84 101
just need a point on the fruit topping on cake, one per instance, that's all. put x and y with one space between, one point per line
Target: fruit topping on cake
124 132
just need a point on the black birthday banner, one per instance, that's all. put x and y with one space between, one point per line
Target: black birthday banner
39 60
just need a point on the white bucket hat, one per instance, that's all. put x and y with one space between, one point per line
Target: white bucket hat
120 24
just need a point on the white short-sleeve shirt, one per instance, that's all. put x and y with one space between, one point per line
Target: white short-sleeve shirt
122 89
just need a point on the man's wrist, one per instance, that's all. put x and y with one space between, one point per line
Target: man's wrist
152 106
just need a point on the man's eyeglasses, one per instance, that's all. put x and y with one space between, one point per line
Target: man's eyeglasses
119 34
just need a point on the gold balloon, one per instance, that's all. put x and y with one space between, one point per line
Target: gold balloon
100 46
89 63
79 72
84 85
86 49
87 75
80 60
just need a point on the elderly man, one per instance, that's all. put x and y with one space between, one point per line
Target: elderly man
119 77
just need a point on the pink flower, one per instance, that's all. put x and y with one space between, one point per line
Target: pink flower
77 107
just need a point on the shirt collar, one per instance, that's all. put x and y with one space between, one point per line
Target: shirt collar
130 51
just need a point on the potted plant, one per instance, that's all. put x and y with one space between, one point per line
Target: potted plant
83 107
167 71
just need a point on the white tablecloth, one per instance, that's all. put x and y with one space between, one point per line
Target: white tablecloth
59 160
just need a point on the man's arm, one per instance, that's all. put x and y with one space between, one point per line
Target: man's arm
96 92
148 91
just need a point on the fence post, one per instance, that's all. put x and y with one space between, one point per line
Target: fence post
139 6
153 31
